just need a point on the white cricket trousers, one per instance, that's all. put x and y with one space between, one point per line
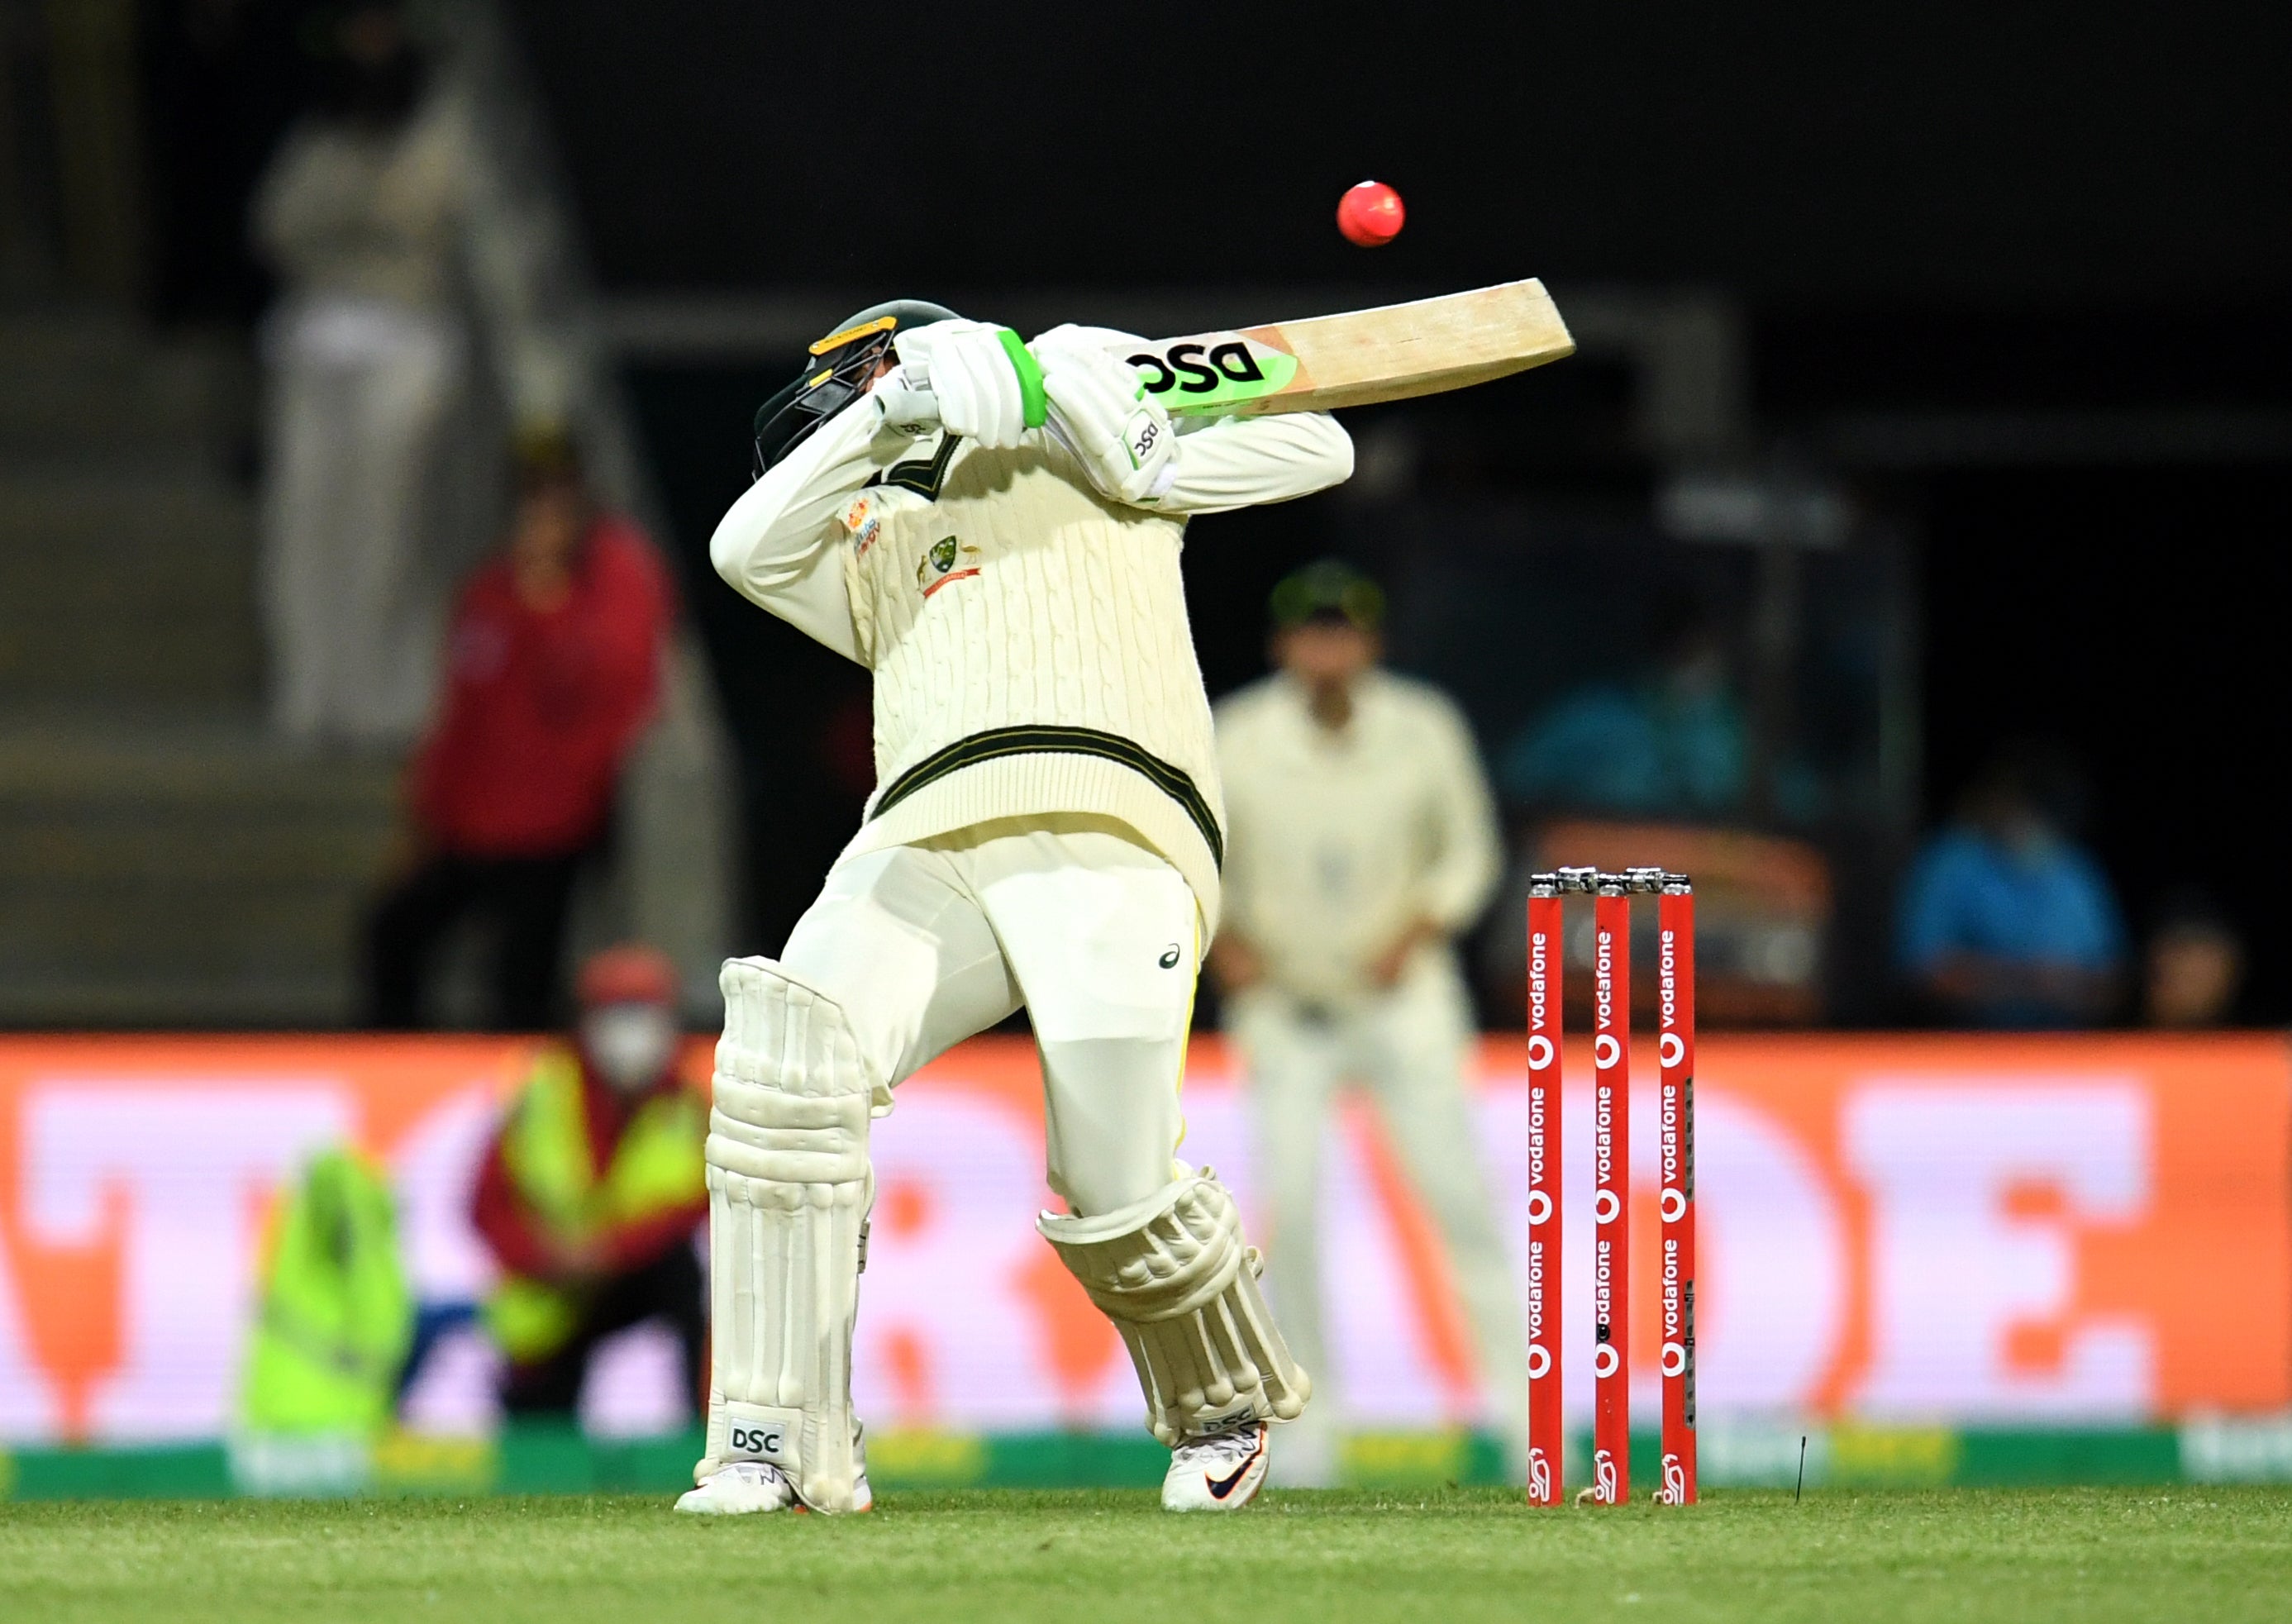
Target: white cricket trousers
924 945
1408 1049
361 398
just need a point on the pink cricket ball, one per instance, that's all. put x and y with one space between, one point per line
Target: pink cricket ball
1370 214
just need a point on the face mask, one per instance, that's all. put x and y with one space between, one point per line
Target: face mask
630 1044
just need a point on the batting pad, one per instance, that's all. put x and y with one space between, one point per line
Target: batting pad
1174 1275
788 1192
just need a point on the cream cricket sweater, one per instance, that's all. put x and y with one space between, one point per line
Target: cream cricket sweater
1343 837
1029 637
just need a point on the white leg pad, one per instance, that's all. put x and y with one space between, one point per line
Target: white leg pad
1174 1275
788 1191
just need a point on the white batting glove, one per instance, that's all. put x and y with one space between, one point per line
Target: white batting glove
987 387
1101 413
902 408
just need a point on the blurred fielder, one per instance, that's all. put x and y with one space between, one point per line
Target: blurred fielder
1362 842
1047 831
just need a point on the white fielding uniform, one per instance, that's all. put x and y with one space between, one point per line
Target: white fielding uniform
1341 839
367 371
1046 828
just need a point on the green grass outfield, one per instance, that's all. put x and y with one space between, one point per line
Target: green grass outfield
1095 1557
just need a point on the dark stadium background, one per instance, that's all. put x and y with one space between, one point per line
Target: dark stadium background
2068 216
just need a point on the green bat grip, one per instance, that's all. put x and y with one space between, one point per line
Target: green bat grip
1030 377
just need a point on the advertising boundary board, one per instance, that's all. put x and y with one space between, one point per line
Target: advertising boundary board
1909 1238
532 1458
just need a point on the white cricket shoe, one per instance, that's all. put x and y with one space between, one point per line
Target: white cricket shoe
740 1490
746 1487
1220 1473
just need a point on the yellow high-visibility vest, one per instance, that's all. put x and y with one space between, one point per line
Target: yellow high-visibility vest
336 1316
655 1168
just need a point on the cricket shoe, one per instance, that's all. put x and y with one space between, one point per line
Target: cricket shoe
746 1487
1222 1472
740 1490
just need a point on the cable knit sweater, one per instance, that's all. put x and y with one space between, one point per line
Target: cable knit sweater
1028 636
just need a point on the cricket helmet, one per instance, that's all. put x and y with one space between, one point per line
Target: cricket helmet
838 369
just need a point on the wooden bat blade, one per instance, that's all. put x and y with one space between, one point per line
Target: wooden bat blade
1393 352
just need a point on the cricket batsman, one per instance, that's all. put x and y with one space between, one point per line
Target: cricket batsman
993 529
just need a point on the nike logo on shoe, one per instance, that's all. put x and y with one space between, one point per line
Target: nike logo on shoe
1219 1487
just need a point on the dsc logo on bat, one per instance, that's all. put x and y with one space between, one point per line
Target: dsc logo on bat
1207 372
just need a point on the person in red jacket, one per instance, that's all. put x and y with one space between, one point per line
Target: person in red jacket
553 671
591 1190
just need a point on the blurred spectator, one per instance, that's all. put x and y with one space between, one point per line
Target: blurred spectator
2005 921
1361 841
361 215
553 669
2194 966
336 1315
591 1188
1672 745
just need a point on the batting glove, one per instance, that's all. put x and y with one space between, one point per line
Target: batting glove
1101 413
987 387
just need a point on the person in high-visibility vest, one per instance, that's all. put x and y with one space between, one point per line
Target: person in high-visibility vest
591 1189
324 1355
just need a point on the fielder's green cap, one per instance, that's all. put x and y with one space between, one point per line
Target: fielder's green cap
1328 590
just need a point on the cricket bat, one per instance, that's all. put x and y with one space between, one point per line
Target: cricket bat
1391 353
